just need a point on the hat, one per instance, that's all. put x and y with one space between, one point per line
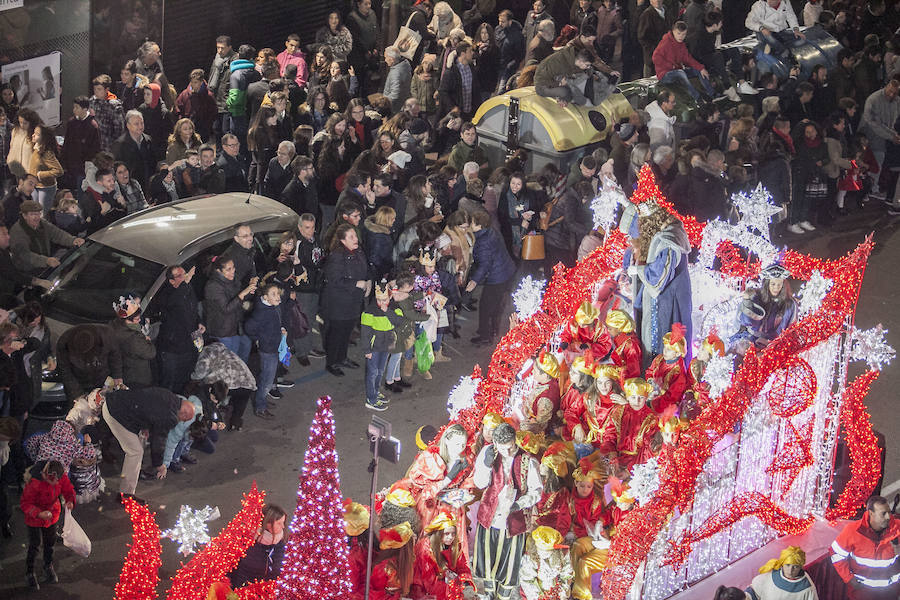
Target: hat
417 126
625 131
583 365
620 491
669 422
620 320
396 536
589 25
382 291
400 158
775 271
556 458
713 345
547 363
401 497
608 372
674 340
637 386
546 538
587 471
492 420
443 241
442 521
356 518
127 306
530 442
424 435
792 555
427 258
587 313
30 206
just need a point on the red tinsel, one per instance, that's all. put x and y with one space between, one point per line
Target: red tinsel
865 456
223 553
316 564
140 573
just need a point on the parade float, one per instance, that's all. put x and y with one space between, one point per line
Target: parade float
756 463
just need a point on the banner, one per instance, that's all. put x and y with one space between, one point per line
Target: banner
35 83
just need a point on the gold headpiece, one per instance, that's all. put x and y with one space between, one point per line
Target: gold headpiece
620 491
582 365
530 442
587 471
674 340
713 345
382 291
637 386
546 538
608 372
356 517
792 555
492 420
587 313
396 536
401 497
427 258
547 363
442 521
620 320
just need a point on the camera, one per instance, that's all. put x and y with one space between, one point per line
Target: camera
389 447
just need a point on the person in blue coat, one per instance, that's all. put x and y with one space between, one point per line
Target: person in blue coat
494 270
663 285
264 327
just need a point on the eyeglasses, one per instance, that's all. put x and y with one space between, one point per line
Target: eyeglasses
232 144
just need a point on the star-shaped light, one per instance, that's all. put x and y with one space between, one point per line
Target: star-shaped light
462 396
644 480
190 529
718 374
604 205
756 210
813 292
869 345
528 297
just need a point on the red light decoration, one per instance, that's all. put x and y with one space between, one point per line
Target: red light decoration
223 553
795 456
793 388
316 563
258 590
140 573
865 456
734 264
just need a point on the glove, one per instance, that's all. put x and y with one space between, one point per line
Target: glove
489 455
456 469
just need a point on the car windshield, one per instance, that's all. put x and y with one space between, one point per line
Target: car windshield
92 277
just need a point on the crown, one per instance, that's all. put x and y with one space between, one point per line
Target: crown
382 291
427 258
127 306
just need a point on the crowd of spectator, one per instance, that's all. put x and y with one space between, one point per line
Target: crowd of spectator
404 213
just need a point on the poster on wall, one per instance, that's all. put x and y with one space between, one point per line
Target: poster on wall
36 84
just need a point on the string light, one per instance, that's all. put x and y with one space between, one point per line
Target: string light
528 296
718 374
190 529
870 346
644 480
140 573
462 396
316 560
223 553
605 204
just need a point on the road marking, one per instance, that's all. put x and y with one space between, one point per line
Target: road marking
891 489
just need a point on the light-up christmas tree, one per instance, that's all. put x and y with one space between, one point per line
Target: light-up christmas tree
316 562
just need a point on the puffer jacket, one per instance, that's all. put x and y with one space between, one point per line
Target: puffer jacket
221 306
376 331
242 75
40 495
379 249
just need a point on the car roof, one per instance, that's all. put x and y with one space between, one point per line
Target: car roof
164 233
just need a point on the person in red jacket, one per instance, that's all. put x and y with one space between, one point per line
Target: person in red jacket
674 64
40 503
552 510
197 103
866 554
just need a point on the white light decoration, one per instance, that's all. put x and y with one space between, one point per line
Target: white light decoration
604 205
644 480
190 529
462 396
756 210
528 297
813 292
869 345
718 374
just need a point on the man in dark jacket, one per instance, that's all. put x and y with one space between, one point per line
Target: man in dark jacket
258 90
385 195
867 74
219 79
211 179
81 144
175 307
311 255
32 240
86 355
12 202
510 45
232 164
459 86
12 280
494 270
128 412
363 24
135 149
197 103
242 252
279 172
654 23
842 76
135 347
301 193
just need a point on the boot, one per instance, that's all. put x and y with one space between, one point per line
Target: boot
439 356
406 370
426 375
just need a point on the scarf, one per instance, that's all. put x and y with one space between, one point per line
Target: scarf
156 91
812 143
786 139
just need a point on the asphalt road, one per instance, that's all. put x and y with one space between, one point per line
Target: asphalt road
271 452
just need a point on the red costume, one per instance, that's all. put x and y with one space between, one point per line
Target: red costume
629 433
358 558
572 407
593 422
590 510
672 380
546 397
552 510
429 578
627 353
384 583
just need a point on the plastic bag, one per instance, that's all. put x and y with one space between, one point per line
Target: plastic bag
284 353
424 353
74 536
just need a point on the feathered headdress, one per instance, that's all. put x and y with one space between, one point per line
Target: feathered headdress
396 536
674 340
620 490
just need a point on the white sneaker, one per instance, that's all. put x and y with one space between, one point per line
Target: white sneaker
795 228
807 225
732 94
745 88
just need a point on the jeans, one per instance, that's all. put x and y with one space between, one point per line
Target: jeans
36 535
779 41
239 344
268 364
879 158
392 373
45 196
309 304
680 77
182 448
327 215
207 443
375 367
175 370
436 344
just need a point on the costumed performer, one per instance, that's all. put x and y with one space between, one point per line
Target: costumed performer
392 574
667 372
599 405
552 510
540 405
439 559
589 521
489 422
585 333
626 344
546 572
511 482
783 578
622 498
356 526
698 395
635 426
571 406
766 311
662 285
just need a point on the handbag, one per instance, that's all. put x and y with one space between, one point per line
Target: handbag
533 246
298 323
74 537
407 41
